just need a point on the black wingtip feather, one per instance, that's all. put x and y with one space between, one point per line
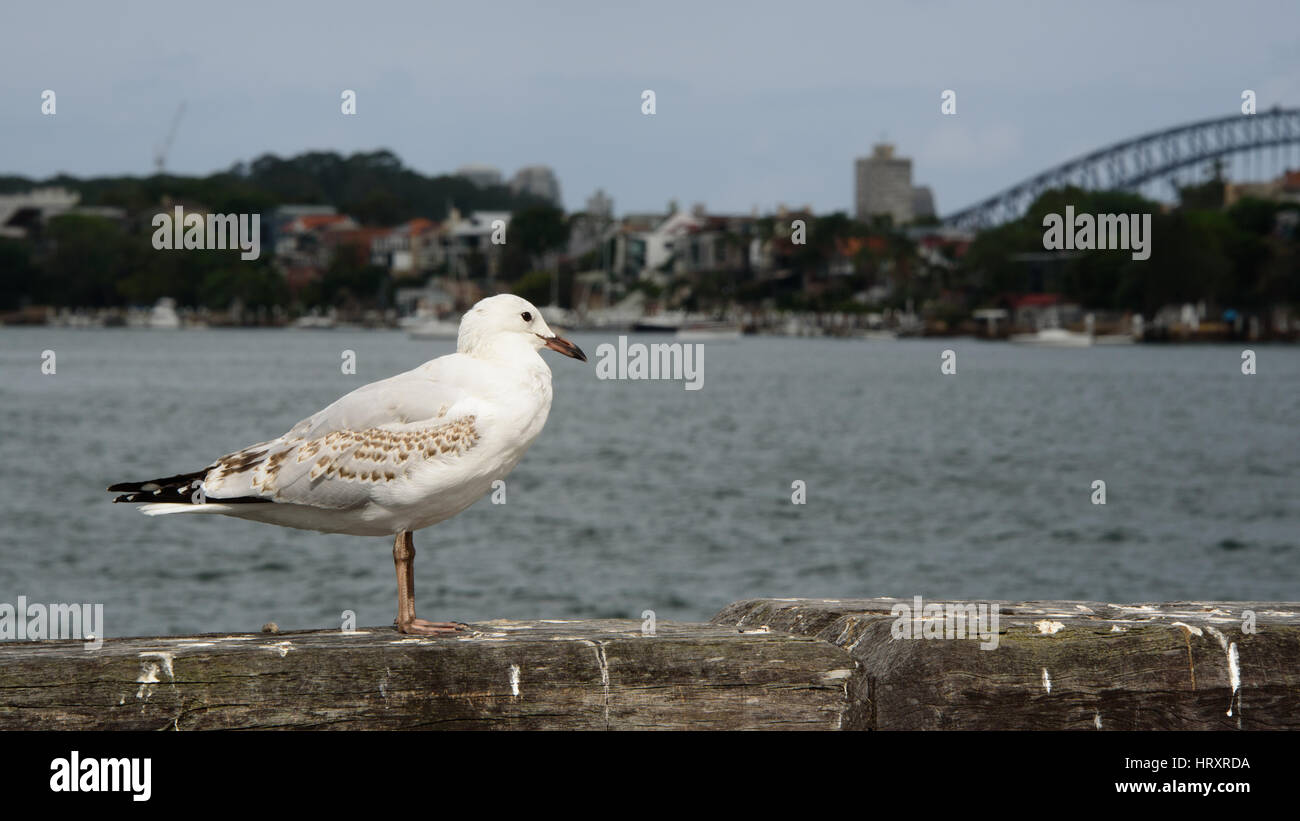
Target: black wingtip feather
179 489
176 489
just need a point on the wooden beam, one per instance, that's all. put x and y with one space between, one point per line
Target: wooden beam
760 664
1061 665
499 675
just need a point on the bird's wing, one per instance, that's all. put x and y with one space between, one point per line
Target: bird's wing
377 434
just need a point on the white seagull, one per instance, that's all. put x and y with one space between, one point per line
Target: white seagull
393 456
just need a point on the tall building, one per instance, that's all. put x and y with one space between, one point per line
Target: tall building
922 202
587 230
600 205
883 185
484 176
538 180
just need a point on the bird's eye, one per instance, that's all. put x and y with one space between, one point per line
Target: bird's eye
528 317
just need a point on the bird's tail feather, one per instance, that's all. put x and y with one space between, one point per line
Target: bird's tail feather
178 489
182 491
163 508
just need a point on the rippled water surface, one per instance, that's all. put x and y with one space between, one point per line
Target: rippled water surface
642 495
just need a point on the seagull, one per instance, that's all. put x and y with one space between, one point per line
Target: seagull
393 456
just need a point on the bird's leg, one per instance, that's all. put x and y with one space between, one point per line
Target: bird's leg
404 561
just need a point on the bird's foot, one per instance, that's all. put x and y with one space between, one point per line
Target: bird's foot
423 627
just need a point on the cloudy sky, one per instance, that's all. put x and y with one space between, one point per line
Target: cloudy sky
757 104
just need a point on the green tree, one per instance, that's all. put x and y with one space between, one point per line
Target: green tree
348 282
16 273
86 259
537 231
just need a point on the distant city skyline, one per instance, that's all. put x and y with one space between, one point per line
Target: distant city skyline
753 109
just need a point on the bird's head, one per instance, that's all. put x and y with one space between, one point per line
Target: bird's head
505 324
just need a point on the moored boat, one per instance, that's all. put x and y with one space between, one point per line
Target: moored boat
1054 338
720 331
434 328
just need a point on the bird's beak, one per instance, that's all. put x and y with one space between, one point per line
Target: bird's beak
564 346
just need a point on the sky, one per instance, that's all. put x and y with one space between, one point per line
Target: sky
757 104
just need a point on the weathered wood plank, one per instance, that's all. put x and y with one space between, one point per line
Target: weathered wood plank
1061 665
499 675
792 663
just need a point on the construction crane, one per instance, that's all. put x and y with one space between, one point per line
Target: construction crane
161 151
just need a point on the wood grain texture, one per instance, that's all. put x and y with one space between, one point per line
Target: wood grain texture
760 664
498 675
1112 667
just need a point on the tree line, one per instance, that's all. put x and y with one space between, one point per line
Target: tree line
1243 256
82 260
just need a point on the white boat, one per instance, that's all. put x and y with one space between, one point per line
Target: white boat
434 329
709 332
164 314
558 317
1054 338
879 336
314 322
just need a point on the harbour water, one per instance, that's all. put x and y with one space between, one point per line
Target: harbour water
642 495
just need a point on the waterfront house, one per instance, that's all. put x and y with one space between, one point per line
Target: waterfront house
410 249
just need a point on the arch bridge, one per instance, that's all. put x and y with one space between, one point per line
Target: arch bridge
1140 161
